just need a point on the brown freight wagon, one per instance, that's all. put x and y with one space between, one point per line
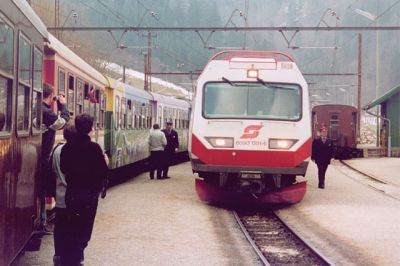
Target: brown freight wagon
341 121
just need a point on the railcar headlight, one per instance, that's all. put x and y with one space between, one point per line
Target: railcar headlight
252 73
281 144
220 142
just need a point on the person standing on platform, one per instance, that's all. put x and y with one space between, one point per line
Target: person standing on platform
322 153
84 166
51 122
61 221
171 148
157 143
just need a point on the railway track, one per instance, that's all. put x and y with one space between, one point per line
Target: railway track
274 242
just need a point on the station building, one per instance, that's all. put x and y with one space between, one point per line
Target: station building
389 120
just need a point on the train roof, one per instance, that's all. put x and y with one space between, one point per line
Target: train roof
230 54
170 100
62 50
27 10
333 106
138 93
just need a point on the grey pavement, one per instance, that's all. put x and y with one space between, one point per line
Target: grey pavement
159 222
162 222
349 221
384 169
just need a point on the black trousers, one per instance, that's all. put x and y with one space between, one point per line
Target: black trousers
321 173
61 228
81 208
168 159
156 163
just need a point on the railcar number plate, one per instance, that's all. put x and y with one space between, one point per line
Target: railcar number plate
248 175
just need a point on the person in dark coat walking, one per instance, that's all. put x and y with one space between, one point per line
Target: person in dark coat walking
322 153
171 148
84 166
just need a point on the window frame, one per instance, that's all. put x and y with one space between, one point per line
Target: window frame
61 70
3 73
253 118
81 81
10 80
117 104
123 113
39 91
28 89
73 102
9 121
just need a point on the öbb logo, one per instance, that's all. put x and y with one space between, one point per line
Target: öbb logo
251 132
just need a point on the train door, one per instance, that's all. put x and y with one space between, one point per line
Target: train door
314 124
160 115
334 133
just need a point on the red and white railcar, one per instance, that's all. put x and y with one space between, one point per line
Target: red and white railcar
250 131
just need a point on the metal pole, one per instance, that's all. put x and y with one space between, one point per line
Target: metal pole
359 87
123 73
149 59
146 73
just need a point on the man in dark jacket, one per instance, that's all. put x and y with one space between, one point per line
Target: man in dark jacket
171 148
322 153
50 124
85 168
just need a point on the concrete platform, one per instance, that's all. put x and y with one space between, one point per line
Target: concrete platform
159 222
348 221
384 169
162 222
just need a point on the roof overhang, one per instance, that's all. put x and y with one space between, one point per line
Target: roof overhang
383 98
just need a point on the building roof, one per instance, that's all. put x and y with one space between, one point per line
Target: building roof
383 98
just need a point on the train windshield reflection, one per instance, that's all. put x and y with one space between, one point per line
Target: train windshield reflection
273 101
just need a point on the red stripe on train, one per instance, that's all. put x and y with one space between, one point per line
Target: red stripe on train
251 157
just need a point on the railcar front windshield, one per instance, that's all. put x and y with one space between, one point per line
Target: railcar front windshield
274 101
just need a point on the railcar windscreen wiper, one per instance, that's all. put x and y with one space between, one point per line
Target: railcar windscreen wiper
273 86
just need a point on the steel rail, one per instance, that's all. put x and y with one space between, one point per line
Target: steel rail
248 237
305 242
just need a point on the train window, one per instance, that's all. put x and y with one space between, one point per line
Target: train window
117 110
37 69
22 111
24 55
36 114
36 111
71 92
6 47
275 102
61 82
5 105
136 121
91 103
102 109
97 107
144 122
129 114
123 112
159 115
86 107
334 126
79 96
